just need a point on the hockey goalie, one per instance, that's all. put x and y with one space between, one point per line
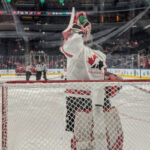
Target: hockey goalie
95 124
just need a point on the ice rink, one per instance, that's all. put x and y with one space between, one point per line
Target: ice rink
36 116
23 78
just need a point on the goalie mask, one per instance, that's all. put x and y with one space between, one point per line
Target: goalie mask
78 24
82 24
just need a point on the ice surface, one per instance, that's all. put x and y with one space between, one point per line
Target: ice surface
28 108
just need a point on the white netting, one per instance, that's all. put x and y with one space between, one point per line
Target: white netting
75 116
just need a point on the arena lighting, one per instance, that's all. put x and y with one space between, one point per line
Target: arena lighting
38 13
134 26
8 1
146 27
42 1
61 1
42 13
117 18
102 19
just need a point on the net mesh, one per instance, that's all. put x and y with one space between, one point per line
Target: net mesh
75 116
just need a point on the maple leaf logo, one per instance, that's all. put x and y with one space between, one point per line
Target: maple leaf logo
92 59
95 62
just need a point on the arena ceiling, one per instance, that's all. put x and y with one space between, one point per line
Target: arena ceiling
16 20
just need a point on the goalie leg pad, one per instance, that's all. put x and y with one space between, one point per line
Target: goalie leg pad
111 91
114 130
99 132
74 104
83 130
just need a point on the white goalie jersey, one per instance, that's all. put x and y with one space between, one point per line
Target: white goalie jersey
88 104
83 63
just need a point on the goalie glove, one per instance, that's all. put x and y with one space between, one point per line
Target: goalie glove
115 77
111 76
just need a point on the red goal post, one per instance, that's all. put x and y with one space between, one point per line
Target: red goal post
75 115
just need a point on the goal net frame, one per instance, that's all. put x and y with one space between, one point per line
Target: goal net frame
4 109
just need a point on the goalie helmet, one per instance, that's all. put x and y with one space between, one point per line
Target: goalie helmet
81 22
78 23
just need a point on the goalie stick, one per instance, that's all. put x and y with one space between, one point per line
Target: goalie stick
66 33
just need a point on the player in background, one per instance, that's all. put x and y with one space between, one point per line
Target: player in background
39 69
84 63
44 70
28 72
64 75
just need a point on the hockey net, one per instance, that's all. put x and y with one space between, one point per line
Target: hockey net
75 115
